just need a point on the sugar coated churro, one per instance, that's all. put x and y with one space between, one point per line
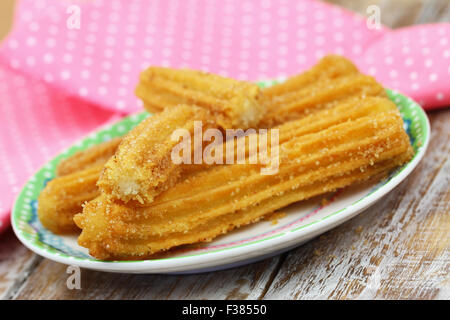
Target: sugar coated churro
311 164
75 183
142 166
331 81
335 127
233 104
95 155
64 196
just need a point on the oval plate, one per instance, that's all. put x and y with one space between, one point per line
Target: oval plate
302 222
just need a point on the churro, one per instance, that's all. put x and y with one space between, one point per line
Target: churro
232 103
58 218
331 81
75 183
64 196
310 165
335 127
142 166
95 155
341 112
328 68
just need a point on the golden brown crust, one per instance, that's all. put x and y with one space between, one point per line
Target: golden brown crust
95 155
336 128
221 198
333 80
233 104
75 183
64 196
142 166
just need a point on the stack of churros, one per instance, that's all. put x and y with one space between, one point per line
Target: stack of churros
75 183
334 127
234 104
142 166
332 81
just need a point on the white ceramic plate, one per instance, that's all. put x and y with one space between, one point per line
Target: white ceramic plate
303 221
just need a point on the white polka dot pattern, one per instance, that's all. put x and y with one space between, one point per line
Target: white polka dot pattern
37 122
417 60
245 39
100 62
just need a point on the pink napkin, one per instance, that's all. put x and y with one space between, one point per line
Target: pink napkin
37 123
66 72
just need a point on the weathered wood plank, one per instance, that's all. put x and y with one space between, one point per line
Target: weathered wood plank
48 281
398 249
16 262
394 14
401 13
434 11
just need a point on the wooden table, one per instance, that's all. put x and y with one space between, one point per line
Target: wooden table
398 249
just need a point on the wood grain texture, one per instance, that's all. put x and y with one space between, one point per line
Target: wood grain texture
398 249
16 263
401 13
48 281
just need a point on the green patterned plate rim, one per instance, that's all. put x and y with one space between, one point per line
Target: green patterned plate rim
31 233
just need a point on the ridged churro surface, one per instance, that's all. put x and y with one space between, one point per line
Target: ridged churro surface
333 80
93 156
218 199
328 68
234 104
75 183
64 196
336 128
142 166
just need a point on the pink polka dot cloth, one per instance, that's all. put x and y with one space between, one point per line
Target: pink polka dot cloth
37 123
69 66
